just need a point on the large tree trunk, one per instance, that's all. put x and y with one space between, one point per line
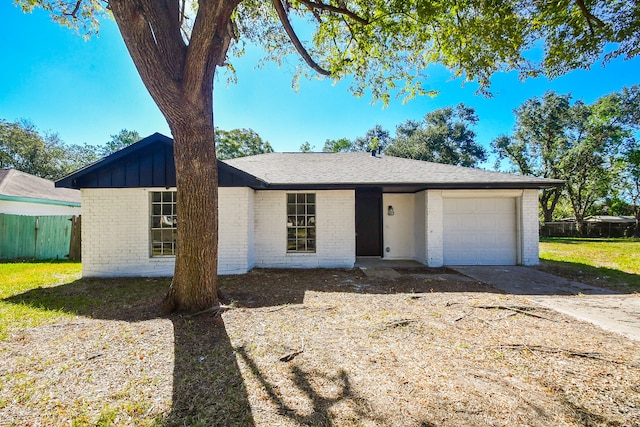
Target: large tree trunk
194 285
179 77
552 195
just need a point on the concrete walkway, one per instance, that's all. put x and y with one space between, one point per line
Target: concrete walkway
609 310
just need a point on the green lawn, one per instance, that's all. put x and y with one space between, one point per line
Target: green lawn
612 263
18 278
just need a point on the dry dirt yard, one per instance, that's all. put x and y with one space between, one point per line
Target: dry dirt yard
316 348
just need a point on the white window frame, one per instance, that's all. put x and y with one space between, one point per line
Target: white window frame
163 222
301 223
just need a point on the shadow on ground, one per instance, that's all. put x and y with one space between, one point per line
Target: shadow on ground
604 277
208 387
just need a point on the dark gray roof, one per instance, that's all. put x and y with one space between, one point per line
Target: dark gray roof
345 169
16 184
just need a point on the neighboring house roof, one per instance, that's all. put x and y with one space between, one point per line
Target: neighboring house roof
149 163
23 187
344 169
611 218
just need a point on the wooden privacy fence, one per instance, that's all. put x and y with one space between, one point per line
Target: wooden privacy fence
39 237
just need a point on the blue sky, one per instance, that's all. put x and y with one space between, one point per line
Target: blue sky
88 90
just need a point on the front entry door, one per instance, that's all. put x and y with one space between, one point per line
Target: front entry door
369 222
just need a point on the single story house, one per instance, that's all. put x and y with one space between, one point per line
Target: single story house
25 194
306 210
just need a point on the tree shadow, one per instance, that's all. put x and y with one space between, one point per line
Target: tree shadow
603 277
208 388
320 414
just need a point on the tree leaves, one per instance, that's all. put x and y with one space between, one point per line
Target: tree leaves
579 143
240 143
444 136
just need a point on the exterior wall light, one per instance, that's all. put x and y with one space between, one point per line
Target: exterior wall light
390 211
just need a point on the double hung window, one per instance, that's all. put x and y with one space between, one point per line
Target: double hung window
301 222
164 222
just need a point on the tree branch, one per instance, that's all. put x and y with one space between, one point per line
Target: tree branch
589 16
74 12
340 10
158 60
210 39
284 19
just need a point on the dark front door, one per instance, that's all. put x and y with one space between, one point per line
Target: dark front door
369 222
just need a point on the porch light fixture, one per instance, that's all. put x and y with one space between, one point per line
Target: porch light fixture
390 211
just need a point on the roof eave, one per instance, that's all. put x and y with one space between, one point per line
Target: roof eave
418 186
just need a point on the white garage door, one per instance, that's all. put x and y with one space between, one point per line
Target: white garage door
480 231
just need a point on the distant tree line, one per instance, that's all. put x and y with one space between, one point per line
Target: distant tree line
593 147
44 154
445 135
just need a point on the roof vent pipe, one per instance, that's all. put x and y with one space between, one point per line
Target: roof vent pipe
373 153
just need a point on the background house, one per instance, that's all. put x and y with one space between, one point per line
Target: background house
37 220
25 194
307 210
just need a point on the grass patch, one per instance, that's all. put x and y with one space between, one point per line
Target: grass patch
18 278
611 263
35 293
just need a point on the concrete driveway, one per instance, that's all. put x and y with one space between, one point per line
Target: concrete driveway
608 309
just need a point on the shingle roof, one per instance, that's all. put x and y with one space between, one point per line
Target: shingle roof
14 183
285 169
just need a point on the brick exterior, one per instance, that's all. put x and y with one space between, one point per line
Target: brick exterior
235 240
530 228
115 233
335 230
253 230
434 228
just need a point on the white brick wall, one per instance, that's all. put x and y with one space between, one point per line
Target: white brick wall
115 233
530 224
420 206
235 240
115 230
335 230
434 228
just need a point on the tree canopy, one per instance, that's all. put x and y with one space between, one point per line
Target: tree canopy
384 45
120 140
444 136
240 143
580 143
25 148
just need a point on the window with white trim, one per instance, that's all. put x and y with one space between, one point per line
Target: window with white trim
164 223
301 222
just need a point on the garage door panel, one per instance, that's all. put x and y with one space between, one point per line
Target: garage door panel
480 231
